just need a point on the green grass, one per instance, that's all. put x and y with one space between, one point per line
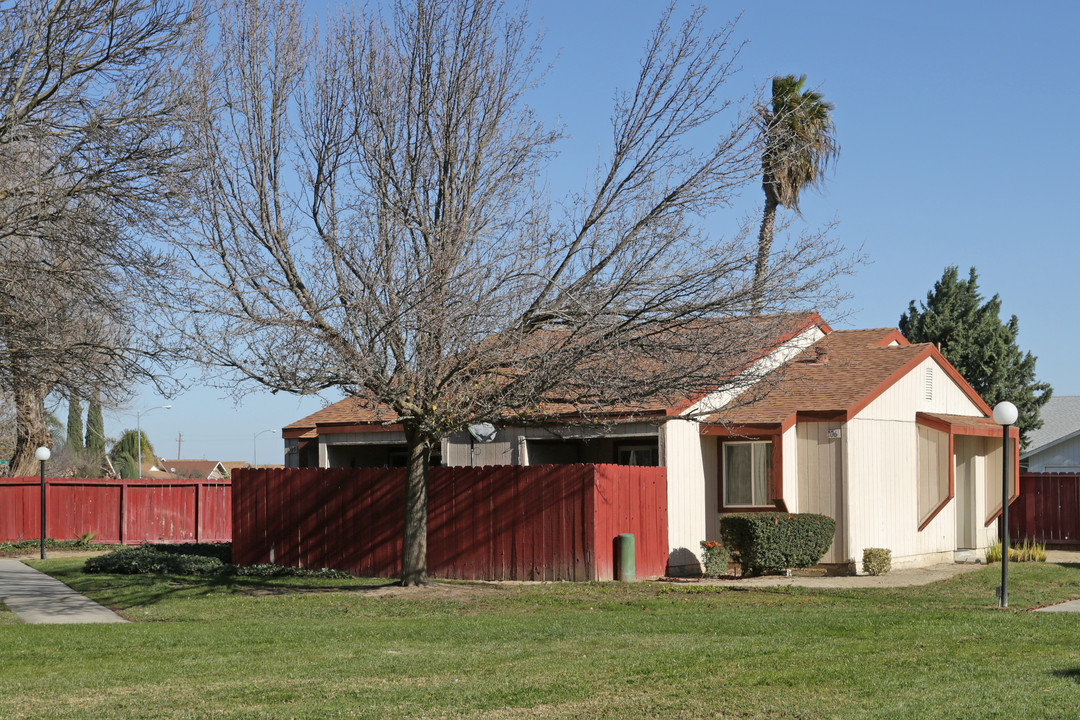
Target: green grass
302 648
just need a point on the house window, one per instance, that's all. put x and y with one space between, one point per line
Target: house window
747 471
647 454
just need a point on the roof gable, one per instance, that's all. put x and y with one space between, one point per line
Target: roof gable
838 376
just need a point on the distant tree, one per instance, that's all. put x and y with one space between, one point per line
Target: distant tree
93 160
74 425
978 344
800 142
128 446
126 466
95 427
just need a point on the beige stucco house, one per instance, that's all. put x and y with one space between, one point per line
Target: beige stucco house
882 435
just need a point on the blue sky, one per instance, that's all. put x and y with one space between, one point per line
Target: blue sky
957 125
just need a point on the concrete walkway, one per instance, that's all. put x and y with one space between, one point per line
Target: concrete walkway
39 599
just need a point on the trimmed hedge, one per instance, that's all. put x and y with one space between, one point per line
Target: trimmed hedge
192 559
774 541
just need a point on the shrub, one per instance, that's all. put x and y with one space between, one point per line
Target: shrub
148 559
1028 552
193 559
876 561
714 558
772 541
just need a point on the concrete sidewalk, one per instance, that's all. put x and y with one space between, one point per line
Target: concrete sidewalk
39 599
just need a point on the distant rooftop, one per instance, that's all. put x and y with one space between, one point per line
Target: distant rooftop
1061 420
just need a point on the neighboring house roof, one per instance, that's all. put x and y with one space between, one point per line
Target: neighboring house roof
205 469
357 414
1061 422
836 378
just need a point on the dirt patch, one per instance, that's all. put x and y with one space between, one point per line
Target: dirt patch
460 592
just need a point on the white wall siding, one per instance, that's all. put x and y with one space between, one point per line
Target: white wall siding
790 477
460 452
1057 458
882 467
821 486
691 486
947 396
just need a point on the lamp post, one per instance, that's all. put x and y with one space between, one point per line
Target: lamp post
138 430
1005 415
42 454
254 449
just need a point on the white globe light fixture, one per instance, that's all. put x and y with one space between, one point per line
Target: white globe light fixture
1005 414
42 454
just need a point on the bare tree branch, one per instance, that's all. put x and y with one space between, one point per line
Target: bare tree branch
372 220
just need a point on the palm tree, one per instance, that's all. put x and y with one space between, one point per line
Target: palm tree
799 145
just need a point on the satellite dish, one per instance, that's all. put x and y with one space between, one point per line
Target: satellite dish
483 432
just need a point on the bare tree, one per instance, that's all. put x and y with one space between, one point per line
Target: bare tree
412 259
92 160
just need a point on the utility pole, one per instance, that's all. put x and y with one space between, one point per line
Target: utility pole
179 438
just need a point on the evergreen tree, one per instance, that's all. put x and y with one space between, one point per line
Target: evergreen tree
74 426
95 427
973 338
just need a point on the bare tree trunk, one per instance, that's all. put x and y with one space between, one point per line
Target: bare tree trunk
414 546
31 430
765 241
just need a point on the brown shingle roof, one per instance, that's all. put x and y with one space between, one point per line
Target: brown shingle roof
859 363
350 411
361 411
188 468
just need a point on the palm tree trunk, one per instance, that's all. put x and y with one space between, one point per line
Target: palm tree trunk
765 240
414 542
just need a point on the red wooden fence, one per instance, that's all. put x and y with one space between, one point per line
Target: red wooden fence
552 522
119 511
1047 510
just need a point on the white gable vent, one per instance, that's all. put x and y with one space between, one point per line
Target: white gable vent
928 383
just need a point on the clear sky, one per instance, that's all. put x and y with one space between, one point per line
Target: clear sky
957 123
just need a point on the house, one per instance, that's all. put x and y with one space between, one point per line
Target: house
187 469
1055 447
884 436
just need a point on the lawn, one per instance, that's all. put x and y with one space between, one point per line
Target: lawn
303 648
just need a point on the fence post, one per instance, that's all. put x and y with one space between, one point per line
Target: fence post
123 511
198 507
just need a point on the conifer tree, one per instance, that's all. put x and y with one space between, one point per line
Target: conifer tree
979 345
95 427
74 425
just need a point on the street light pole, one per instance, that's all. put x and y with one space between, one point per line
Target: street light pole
138 430
1005 414
254 449
42 454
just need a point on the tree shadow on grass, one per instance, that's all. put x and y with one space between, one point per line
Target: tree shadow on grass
1069 674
